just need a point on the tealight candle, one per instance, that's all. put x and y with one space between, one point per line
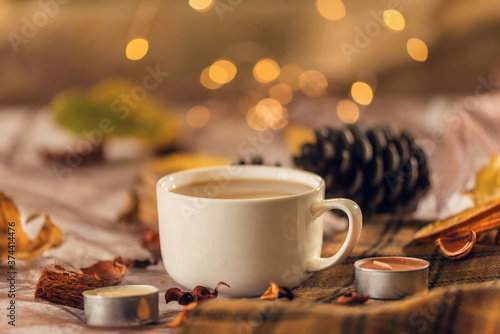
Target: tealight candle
391 277
122 305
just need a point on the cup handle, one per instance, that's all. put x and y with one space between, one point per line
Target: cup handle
355 223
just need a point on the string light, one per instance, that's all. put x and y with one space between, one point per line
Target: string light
394 20
347 111
331 9
197 116
266 70
361 93
137 48
206 81
313 83
201 5
222 71
254 120
282 93
417 49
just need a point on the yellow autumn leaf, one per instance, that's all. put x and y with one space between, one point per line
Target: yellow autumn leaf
487 182
297 135
13 240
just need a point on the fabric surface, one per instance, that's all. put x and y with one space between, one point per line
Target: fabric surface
464 295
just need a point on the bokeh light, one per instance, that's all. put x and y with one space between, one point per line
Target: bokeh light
417 49
201 5
348 111
362 93
282 93
197 116
289 75
248 100
206 81
394 20
266 70
272 113
254 120
137 48
222 71
331 9
313 83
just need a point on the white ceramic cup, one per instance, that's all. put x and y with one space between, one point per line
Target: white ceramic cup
247 243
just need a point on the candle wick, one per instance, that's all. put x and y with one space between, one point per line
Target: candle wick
382 264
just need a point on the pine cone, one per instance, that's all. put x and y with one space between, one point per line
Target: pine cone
379 170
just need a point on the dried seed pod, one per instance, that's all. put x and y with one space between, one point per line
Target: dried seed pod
199 293
353 298
456 247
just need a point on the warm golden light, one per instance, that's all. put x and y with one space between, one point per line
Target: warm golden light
201 5
282 93
206 81
271 112
347 111
254 120
331 9
137 48
222 71
289 75
197 116
417 49
266 70
361 93
313 83
394 20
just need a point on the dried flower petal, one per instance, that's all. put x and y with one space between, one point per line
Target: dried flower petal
12 232
353 298
110 272
275 291
181 317
456 247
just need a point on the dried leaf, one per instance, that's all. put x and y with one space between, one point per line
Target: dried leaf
482 217
353 298
181 317
275 291
65 287
17 242
94 155
487 182
81 111
456 247
110 272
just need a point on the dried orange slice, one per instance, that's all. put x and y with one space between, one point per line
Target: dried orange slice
482 217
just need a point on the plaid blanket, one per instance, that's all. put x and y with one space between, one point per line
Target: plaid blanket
464 295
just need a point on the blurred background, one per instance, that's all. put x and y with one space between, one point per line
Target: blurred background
249 50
